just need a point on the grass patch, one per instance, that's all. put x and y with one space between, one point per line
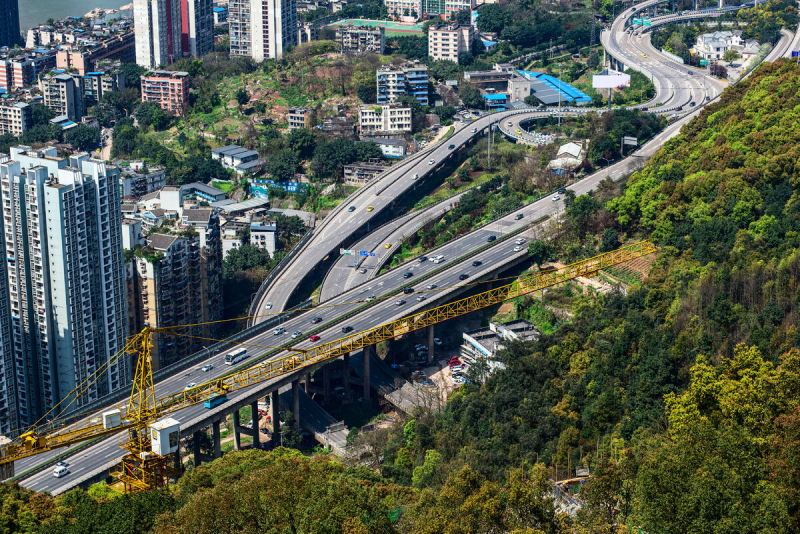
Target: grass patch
225 187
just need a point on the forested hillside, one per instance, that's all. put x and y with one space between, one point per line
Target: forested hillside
681 395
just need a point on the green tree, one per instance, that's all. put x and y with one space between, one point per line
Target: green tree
471 97
282 166
302 141
539 252
366 94
242 96
132 74
424 474
731 55
83 137
41 115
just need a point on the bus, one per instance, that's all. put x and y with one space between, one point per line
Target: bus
236 356
215 400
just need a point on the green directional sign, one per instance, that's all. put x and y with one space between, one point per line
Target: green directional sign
704 63
637 22
647 22
345 252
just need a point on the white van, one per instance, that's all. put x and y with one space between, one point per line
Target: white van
60 471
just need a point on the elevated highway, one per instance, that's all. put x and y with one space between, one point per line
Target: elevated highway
351 307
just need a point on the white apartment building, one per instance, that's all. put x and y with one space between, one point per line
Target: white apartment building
63 93
262 29
404 10
385 118
451 7
157 24
448 41
64 278
15 118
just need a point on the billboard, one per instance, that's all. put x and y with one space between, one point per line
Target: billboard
610 81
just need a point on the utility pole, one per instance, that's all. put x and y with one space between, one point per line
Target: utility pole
489 148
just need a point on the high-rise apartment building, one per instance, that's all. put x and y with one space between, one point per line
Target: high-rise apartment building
447 41
63 93
175 279
15 117
63 280
9 23
396 81
169 89
197 27
157 24
262 29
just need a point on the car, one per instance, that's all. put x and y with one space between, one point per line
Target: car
371 297
269 305
463 276
351 209
399 302
408 290
679 108
690 73
692 103
556 198
315 337
278 331
491 238
476 263
519 241
518 216
362 270
408 274
387 245
416 175
370 208
431 286
451 147
644 55
316 320
517 132
633 9
437 341
346 329
207 367
422 259
190 385
60 471
420 298
431 162
62 464
474 130
562 190
296 334
510 123
457 368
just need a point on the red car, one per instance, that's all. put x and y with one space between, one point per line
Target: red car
454 361
315 337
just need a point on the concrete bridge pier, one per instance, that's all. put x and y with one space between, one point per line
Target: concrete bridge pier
237 436
177 458
275 406
346 378
216 439
368 352
198 457
256 431
307 383
326 382
431 344
296 403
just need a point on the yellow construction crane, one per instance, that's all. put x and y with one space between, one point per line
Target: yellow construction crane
145 466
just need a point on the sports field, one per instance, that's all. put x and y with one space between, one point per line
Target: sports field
392 28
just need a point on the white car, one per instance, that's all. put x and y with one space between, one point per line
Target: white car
269 305
416 175
474 130
207 367
517 248
296 334
431 162
190 385
519 241
556 198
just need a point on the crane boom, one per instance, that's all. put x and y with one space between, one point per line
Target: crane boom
144 408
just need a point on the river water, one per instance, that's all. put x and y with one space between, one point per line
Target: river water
33 12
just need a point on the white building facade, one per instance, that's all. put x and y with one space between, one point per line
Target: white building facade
157 24
262 29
